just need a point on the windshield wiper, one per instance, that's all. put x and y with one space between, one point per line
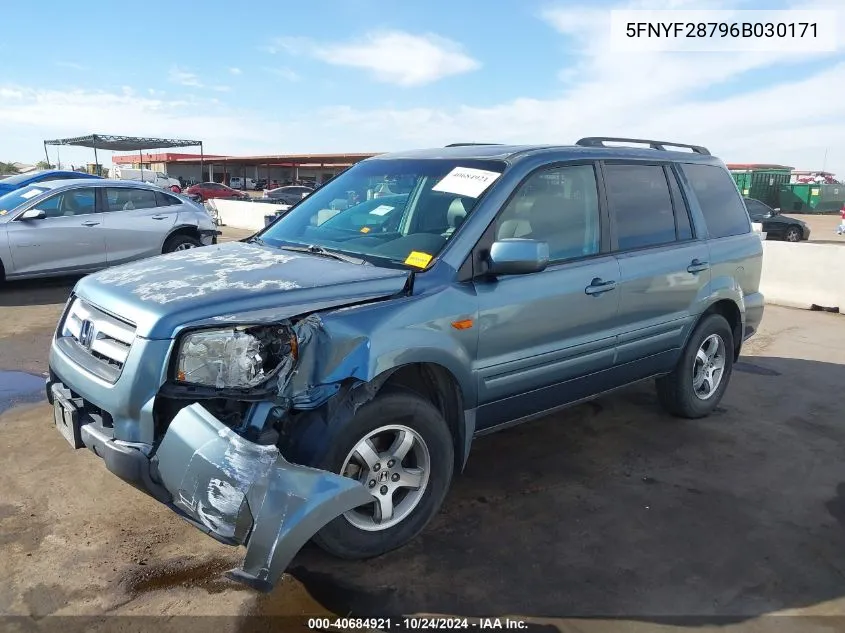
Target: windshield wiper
255 240
313 249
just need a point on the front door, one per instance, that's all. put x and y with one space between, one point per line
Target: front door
664 267
543 334
68 240
135 226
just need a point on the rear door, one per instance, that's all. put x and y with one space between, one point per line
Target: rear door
135 225
545 337
69 240
663 265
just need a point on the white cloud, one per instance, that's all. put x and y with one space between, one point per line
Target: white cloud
183 77
235 71
284 73
394 57
71 65
35 114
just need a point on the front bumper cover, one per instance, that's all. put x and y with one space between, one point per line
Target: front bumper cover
234 490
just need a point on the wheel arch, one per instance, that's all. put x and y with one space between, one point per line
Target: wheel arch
311 432
182 229
730 310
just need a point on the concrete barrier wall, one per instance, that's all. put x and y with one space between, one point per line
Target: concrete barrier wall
242 214
804 274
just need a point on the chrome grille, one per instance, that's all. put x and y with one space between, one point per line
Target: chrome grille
102 337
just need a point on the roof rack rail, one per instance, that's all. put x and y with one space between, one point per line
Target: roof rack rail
598 141
469 144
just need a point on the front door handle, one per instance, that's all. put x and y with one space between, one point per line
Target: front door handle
697 266
90 223
599 286
159 217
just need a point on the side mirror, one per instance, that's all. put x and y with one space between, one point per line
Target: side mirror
33 214
518 256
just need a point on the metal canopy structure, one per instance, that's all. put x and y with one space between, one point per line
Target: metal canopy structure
122 144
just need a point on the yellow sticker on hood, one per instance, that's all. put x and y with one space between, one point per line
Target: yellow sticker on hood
418 259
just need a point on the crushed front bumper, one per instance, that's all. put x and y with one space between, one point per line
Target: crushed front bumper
238 492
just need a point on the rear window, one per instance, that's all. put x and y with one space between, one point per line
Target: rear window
166 200
719 200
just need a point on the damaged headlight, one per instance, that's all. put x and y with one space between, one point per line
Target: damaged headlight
237 357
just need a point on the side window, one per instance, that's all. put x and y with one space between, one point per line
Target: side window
128 199
68 203
166 200
558 206
682 221
719 200
639 200
757 210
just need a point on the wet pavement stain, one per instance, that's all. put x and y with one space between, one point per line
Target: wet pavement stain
19 387
753 368
181 573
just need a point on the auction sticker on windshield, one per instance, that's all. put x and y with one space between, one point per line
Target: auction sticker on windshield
466 181
418 259
32 194
381 210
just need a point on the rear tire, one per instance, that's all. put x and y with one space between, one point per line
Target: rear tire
346 536
684 392
180 242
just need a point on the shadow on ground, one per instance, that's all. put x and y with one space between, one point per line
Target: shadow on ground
616 510
34 292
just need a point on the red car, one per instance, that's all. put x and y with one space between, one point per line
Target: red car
207 190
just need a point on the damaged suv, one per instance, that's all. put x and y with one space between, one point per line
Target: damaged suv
324 378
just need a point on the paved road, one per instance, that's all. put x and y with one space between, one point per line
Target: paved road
612 510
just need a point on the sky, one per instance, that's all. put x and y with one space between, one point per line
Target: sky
269 77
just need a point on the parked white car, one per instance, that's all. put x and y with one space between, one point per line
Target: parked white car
157 178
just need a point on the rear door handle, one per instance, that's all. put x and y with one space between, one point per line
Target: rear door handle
697 266
90 223
598 286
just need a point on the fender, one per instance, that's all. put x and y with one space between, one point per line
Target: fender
341 367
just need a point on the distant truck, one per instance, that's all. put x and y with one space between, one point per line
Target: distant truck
160 179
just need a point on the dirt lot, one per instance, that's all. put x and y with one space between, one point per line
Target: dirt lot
611 511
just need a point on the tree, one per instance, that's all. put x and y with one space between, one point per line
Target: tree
43 164
8 168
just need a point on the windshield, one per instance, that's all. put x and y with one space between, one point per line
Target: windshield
10 201
400 211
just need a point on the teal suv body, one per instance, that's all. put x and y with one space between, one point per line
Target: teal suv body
324 379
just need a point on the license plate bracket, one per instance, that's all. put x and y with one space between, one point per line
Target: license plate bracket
66 417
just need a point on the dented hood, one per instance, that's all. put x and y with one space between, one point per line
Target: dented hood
224 283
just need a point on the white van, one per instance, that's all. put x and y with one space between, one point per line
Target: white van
157 178
242 183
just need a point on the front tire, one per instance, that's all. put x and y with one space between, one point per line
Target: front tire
180 242
696 385
399 446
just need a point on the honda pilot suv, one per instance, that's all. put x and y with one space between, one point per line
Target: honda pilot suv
324 379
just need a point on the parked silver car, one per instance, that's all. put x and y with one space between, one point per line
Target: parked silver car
78 226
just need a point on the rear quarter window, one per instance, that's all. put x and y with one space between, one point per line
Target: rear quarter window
720 202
